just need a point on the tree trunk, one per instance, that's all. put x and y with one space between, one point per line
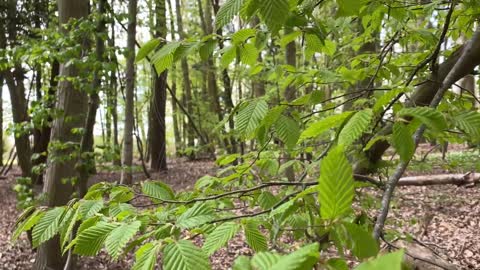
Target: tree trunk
112 97
127 157
290 93
73 103
1 121
42 138
187 87
422 96
157 134
86 163
173 71
14 80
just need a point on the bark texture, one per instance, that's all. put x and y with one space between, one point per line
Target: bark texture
61 164
127 157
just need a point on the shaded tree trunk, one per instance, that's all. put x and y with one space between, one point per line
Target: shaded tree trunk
187 86
86 164
14 80
173 71
1 121
73 103
157 134
127 156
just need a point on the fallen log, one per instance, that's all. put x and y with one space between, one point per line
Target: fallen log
441 179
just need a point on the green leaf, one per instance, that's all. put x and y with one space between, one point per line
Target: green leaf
89 208
47 226
248 118
242 35
207 48
336 185
146 49
227 12
255 239
319 127
184 255
469 123
229 54
242 263
303 259
362 244
146 257
391 261
27 224
355 127
287 130
65 236
248 54
265 260
119 237
267 200
428 116
196 216
163 58
90 241
386 99
349 7
158 190
337 264
274 13
403 142
220 237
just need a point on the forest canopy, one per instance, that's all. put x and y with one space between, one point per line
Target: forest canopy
312 110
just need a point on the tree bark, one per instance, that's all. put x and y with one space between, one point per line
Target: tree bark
157 129
187 87
86 163
1 121
61 165
173 71
14 80
127 157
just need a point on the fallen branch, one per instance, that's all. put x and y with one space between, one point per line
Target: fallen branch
440 179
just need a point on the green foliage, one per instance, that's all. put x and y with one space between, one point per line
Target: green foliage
319 127
220 237
249 117
428 116
184 255
146 257
118 238
388 261
469 123
335 189
227 12
90 241
157 190
355 127
47 226
196 216
403 142
146 49
255 239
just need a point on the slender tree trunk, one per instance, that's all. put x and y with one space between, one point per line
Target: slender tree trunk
290 93
173 71
157 129
14 80
1 121
127 157
86 164
73 103
187 85
41 141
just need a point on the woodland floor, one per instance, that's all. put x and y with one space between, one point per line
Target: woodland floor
445 218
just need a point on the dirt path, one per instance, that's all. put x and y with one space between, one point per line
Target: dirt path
446 218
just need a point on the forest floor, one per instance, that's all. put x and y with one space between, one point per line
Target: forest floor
445 218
